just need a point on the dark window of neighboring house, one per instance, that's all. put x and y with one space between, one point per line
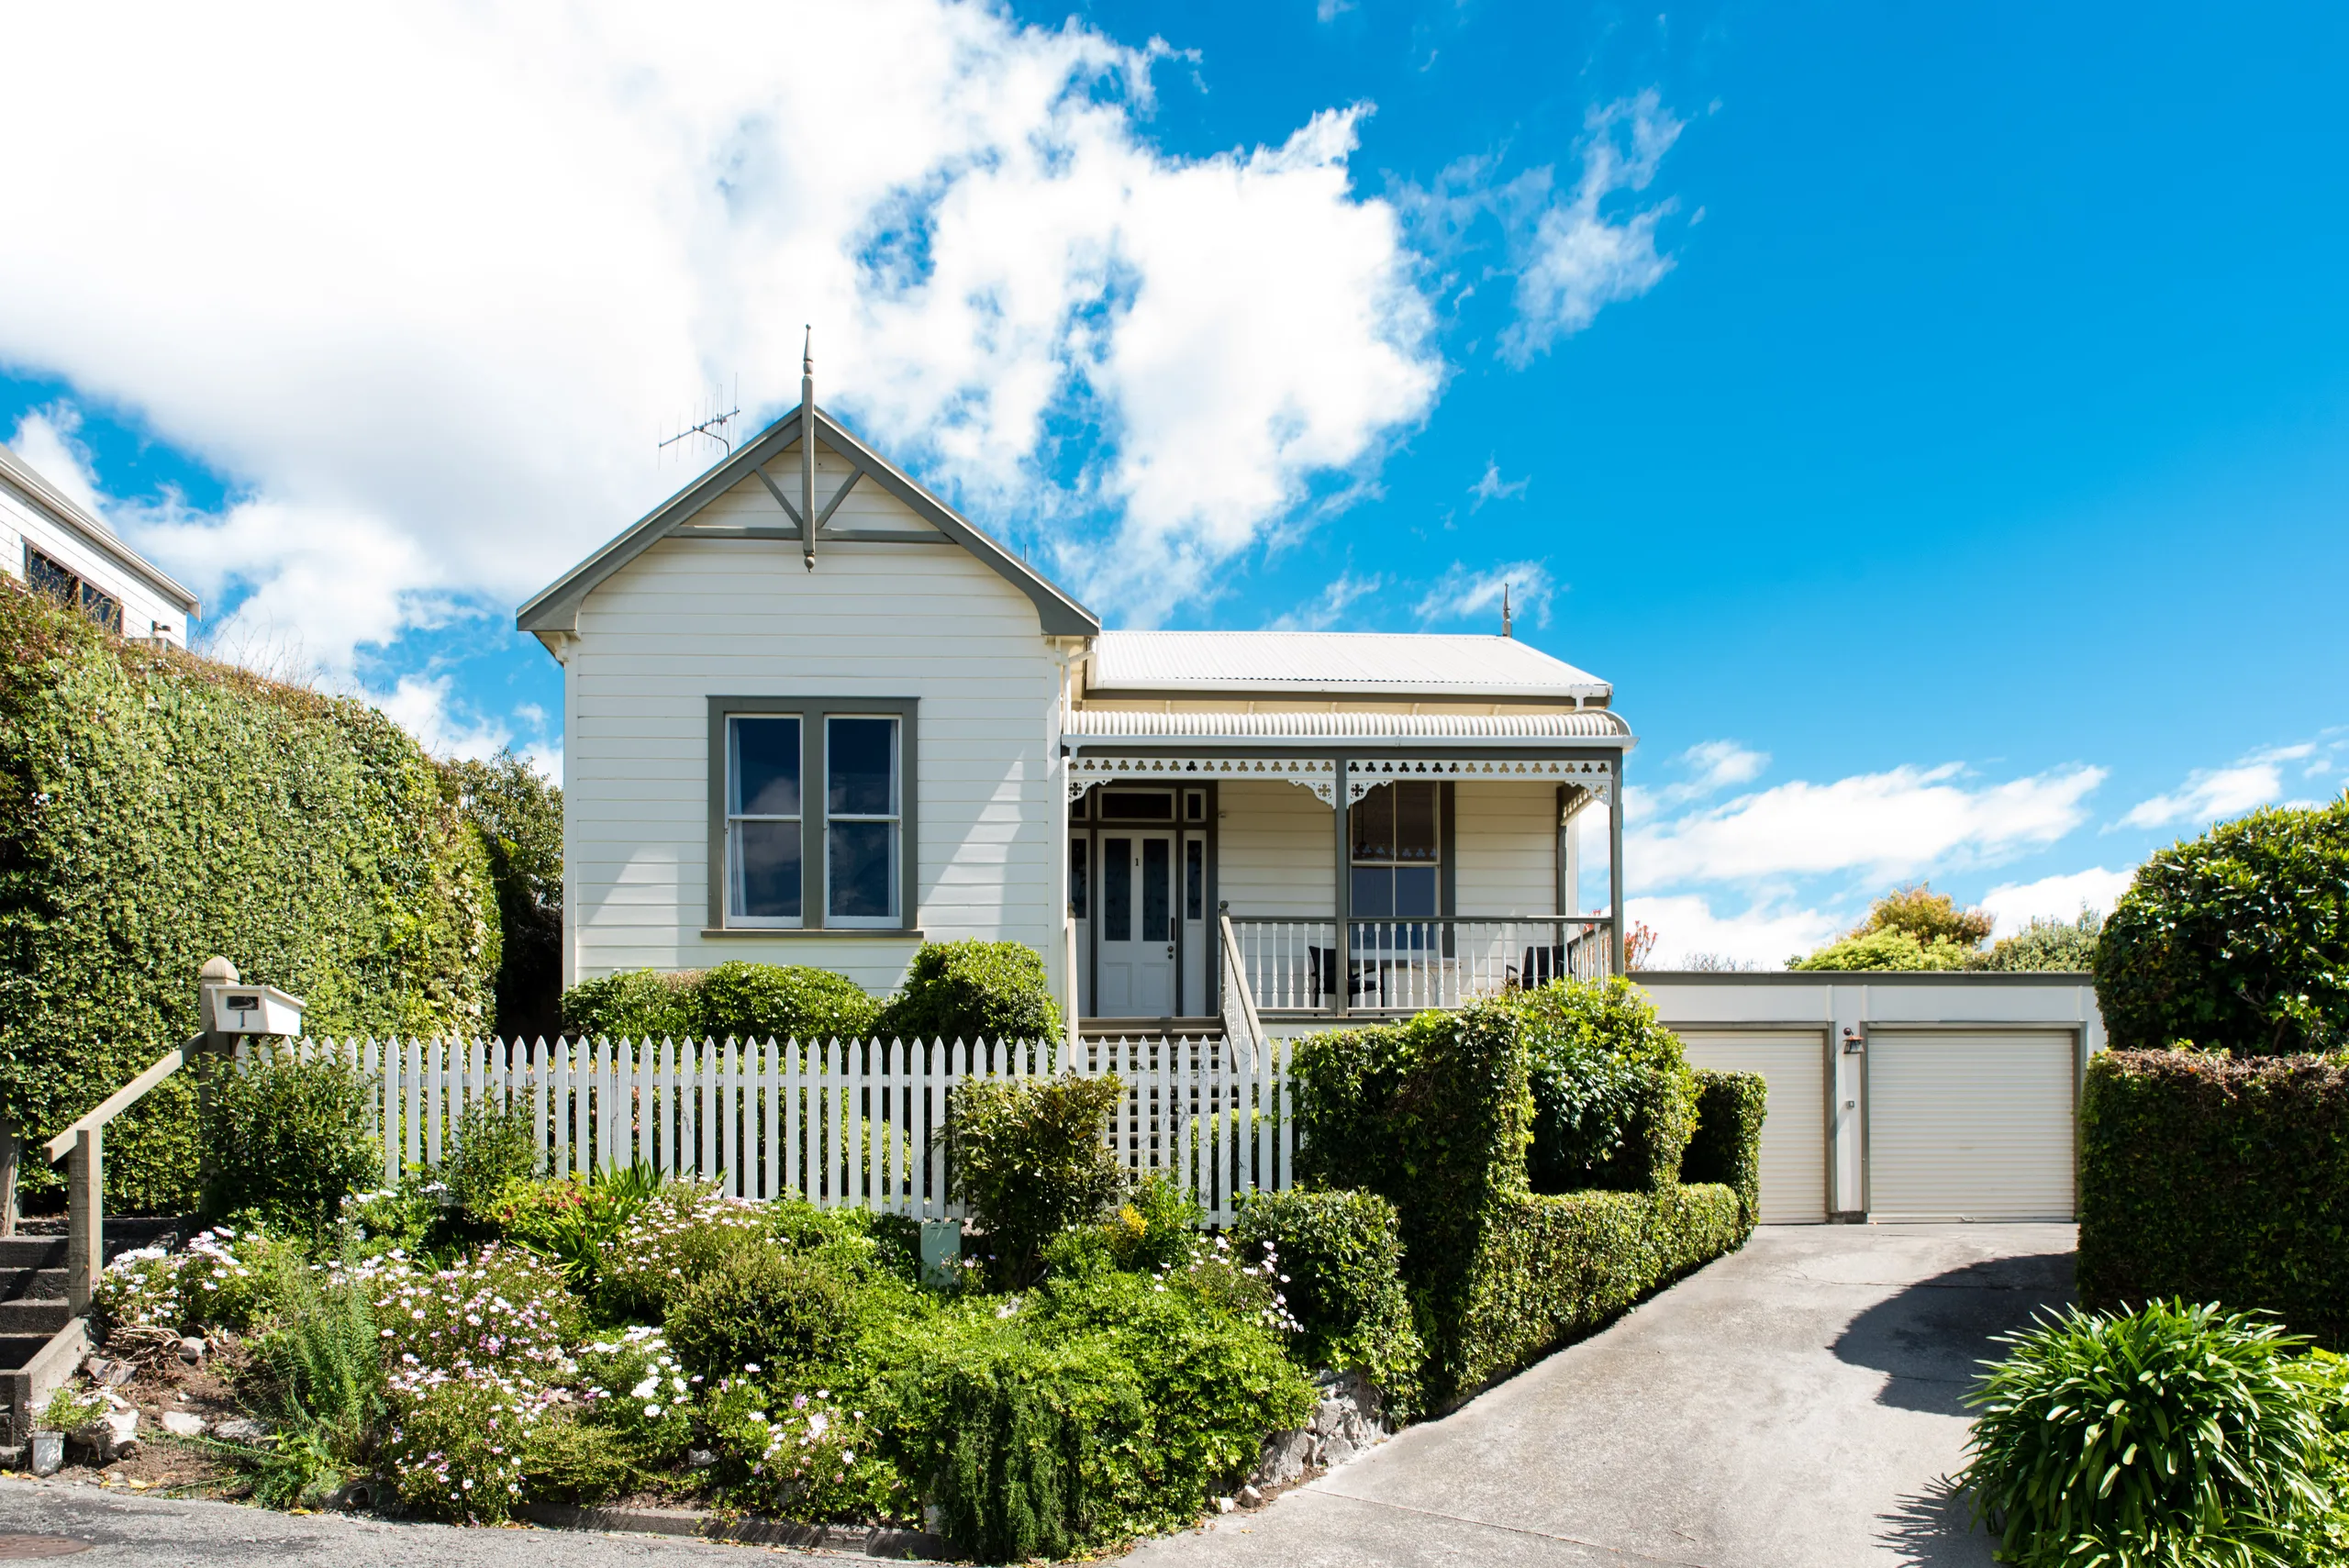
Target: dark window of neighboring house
1394 832
64 585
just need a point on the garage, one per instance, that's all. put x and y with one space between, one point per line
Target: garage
1794 1134
1970 1125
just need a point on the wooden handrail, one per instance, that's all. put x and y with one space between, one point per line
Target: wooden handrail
82 1145
1239 980
122 1099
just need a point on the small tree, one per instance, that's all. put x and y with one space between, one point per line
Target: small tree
1909 928
2048 945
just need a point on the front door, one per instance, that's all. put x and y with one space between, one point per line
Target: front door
1137 915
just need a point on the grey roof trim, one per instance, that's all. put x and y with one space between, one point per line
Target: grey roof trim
556 607
40 493
1091 728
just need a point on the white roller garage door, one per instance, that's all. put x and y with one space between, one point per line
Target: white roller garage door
1966 1126
1793 1133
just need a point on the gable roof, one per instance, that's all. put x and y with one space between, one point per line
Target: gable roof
37 493
1432 665
555 608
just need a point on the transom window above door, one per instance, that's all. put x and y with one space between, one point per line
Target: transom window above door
812 813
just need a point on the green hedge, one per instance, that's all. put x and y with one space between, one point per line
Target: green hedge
733 1001
1727 1146
1614 1103
1435 1116
2237 940
1341 1255
2213 1179
159 808
973 991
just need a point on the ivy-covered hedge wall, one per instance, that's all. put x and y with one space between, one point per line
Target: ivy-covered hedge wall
1436 1115
157 808
2218 1179
1726 1146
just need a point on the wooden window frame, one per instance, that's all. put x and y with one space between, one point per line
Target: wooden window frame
815 824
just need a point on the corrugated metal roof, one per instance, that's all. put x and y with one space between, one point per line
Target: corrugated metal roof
1095 725
1423 663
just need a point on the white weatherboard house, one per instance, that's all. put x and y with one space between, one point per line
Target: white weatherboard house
826 744
54 546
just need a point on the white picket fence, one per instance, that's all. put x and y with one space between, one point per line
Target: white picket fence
840 1123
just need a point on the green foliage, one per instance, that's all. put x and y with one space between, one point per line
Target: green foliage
760 1312
2045 945
518 812
1341 1255
767 1001
322 1369
636 1390
224 1278
2218 1180
572 1220
406 1217
290 1140
635 1004
1030 1158
69 1410
495 1147
2238 939
2173 1434
1927 916
799 1455
160 808
1614 1103
679 1235
501 1312
1885 949
566 1458
972 991
1727 1145
1157 1228
457 1445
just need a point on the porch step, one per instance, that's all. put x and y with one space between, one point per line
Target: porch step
34 1315
1208 1026
41 1342
31 1252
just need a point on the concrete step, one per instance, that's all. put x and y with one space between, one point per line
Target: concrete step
31 1252
32 1284
42 1318
16 1349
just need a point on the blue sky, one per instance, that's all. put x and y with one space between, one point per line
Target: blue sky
1932 423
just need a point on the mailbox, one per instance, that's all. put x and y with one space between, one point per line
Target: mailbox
237 1008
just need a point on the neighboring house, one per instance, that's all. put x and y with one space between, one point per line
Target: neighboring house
54 546
826 746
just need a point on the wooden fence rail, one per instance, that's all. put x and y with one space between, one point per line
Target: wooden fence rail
840 1122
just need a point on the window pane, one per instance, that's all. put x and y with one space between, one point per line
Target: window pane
863 869
762 870
1415 890
101 608
1156 807
1374 892
861 767
48 577
1195 880
1157 888
1414 819
1078 906
764 760
1117 890
1373 825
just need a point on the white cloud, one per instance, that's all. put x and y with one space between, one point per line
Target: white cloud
1897 823
425 708
1330 606
1493 487
1577 257
1766 935
1711 767
1463 595
2209 795
46 439
427 309
2015 904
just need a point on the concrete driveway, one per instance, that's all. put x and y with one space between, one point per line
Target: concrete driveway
1795 1406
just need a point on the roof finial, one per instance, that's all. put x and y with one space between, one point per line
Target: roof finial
1505 631
808 449
808 353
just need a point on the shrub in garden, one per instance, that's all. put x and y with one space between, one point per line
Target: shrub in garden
2218 1180
678 1236
573 1218
224 1278
972 991
1909 927
1339 1256
404 1218
2047 945
2238 939
1889 949
635 1004
768 1001
502 1310
799 1454
305 835
520 813
1727 1144
494 1146
290 1140
566 1458
457 1444
2175 1434
1614 1103
760 1311
635 1388
1156 1228
1030 1160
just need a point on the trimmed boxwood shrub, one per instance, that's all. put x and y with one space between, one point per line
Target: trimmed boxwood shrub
733 1001
2213 1179
760 1311
157 808
2237 940
972 991
635 1004
1727 1145
1614 1103
1341 1254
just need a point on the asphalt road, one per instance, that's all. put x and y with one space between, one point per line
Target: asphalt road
1795 1406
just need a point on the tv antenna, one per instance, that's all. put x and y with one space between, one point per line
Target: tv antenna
713 424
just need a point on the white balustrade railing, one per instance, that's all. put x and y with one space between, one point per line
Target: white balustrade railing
1408 965
842 1122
